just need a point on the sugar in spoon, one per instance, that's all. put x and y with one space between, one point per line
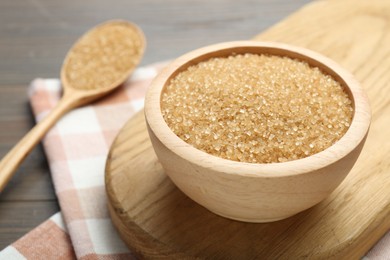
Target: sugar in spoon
100 61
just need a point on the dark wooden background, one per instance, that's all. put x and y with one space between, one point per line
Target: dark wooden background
34 38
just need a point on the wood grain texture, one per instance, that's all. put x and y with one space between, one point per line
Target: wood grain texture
35 36
160 221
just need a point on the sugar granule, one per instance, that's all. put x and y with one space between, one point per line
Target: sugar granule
102 56
256 108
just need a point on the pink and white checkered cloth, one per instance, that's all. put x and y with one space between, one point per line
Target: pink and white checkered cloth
76 148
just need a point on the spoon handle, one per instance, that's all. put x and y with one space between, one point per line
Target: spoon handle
13 158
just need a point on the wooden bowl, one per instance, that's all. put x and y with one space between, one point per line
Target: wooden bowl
254 192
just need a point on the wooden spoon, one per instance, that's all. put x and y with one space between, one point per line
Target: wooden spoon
100 61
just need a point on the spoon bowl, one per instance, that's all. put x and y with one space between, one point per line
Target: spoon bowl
99 62
102 59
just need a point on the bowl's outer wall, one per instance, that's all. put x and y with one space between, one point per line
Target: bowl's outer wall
248 198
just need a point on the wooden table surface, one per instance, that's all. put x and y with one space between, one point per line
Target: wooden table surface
34 38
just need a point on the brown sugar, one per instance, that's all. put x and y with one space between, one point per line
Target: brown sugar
256 108
102 55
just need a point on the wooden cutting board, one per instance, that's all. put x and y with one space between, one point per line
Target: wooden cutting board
158 221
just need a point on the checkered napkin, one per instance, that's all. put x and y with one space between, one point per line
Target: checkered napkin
76 148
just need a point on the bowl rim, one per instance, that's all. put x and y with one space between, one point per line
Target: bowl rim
346 144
